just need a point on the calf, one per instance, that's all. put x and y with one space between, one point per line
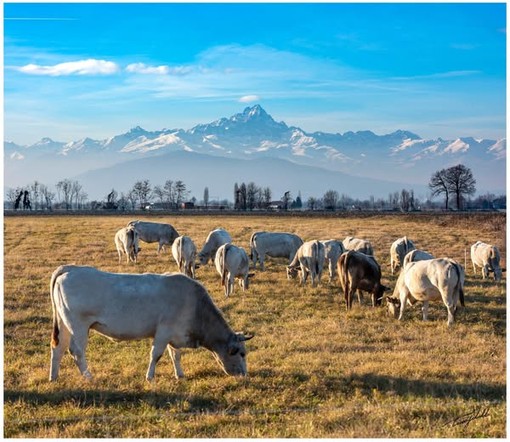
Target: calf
273 244
358 271
126 241
184 252
416 255
232 262
487 257
214 240
398 250
332 249
309 260
163 234
358 245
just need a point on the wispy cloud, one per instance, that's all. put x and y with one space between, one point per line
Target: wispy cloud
249 99
142 68
82 67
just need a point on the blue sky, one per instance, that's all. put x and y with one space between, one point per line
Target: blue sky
75 70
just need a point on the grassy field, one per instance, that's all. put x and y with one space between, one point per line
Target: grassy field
315 370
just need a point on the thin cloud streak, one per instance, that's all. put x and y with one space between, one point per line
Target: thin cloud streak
81 67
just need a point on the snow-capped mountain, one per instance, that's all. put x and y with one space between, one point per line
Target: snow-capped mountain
400 156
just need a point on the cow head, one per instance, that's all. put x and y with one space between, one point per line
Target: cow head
393 306
232 356
378 296
202 259
498 273
292 272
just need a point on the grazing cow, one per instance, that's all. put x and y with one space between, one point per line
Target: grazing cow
184 252
126 241
429 280
333 249
214 240
487 257
273 244
358 245
398 250
149 232
174 310
309 260
416 255
232 262
358 271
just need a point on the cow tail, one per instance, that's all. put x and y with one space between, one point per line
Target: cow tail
55 332
345 279
253 244
223 265
316 254
459 283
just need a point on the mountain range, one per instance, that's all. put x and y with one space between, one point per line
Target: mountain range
252 146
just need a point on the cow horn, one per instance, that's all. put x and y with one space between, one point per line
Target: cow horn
243 337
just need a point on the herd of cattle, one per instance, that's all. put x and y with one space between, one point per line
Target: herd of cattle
177 311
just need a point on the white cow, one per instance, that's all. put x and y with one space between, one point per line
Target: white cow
309 260
232 262
215 239
429 280
174 310
398 250
163 234
487 257
273 244
416 255
184 252
332 249
126 241
358 245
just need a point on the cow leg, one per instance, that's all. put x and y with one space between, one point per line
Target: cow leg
175 355
231 282
58 351
403 301
485 271
331 270
157 350
425 310
261 261
78 345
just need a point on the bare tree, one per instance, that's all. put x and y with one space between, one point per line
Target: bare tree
311 203
159 193
251 195
330 199
142 190
286 200
169 194
460 182
48 196
64 191
267 197
439 185
180 192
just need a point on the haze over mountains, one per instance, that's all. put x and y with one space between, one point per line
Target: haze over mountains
252 146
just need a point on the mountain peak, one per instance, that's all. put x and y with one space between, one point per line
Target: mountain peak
136 129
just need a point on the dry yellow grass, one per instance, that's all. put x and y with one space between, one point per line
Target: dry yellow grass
315 369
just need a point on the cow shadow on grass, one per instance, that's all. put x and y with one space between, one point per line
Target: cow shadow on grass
405 387
93 398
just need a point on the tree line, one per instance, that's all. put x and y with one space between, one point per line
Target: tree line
455 183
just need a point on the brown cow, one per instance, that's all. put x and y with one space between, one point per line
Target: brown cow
358 271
